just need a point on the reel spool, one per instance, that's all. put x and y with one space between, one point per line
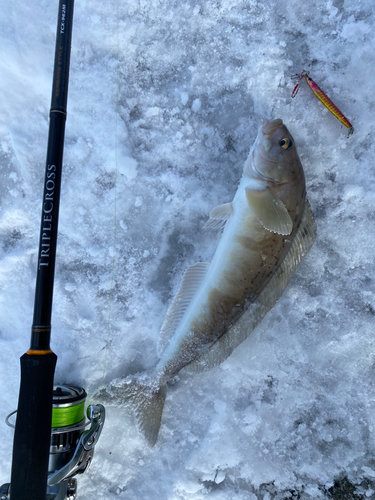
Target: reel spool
68 423
72 447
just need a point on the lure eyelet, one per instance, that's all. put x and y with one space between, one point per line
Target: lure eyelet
286 143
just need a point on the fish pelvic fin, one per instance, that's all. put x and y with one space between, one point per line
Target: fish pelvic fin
144 398
267 298
219 216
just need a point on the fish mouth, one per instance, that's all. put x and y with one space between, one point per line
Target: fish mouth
269 128
258 154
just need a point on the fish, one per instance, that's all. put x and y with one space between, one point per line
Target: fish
268 229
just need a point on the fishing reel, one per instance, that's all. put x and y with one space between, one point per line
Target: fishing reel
71 447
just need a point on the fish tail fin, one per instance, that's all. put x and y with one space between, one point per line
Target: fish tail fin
145 398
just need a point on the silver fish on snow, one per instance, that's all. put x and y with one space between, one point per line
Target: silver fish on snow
269 228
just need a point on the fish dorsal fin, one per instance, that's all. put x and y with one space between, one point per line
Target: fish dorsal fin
267 298
269 210
192 280
219 216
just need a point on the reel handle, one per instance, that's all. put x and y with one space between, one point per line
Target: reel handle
84 449
71 446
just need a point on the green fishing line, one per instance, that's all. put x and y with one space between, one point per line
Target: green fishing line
69 415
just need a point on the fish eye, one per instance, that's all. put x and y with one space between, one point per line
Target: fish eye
286 143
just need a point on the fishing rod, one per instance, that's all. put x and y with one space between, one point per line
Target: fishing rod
50 443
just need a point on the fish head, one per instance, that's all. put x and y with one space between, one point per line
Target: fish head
274 156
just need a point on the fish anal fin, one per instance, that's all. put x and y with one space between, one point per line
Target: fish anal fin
269 210
219 216
192 280
267 298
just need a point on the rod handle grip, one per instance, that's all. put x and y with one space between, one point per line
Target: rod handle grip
32 434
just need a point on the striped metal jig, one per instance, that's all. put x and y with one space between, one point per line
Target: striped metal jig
322 98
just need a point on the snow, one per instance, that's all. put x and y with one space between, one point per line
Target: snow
164 104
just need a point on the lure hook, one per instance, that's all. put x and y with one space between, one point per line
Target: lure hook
299 78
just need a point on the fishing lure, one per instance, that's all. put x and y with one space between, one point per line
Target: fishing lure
323 98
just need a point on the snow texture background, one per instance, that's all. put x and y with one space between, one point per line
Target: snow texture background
170 95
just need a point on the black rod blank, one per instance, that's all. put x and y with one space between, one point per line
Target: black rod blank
41 329
33 426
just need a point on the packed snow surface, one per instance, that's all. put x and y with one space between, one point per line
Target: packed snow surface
165 100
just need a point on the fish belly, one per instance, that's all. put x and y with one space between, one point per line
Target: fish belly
258 307
245 259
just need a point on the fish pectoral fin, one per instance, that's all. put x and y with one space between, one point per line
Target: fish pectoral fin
269 210
219 216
